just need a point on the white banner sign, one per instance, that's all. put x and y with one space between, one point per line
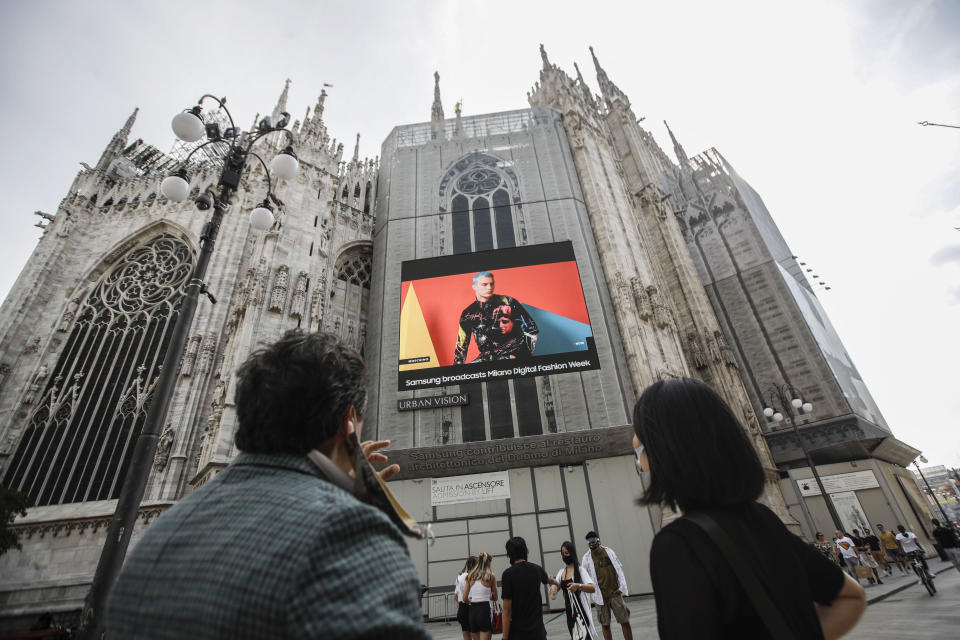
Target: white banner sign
840 482
475 488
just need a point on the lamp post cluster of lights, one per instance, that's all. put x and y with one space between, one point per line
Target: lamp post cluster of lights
188 126
786 398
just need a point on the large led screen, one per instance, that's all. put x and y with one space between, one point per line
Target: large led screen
489 315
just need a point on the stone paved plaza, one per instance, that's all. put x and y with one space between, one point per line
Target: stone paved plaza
900 609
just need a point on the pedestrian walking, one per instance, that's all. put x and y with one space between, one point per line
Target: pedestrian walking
481 590
603 566
274 546
949 542
873 542
826 548
892 548
577 587
848 552
866 558
460 595
728 567
522 606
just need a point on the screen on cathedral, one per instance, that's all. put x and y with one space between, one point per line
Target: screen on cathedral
489 315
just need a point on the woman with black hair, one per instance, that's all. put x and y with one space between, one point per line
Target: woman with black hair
575 584
702 463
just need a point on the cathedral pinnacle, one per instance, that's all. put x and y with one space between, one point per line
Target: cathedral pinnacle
318 110
543 54
583 84
677 148
356 151
611 93
117 143
601 74
128 127
436 111
281 102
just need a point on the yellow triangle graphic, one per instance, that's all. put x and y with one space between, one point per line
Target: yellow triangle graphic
415 339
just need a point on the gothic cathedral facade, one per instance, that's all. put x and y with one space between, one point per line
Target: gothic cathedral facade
87 323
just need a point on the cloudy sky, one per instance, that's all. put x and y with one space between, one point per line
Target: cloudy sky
815 104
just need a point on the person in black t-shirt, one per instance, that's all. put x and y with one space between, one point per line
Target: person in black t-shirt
879 556
701 461
865 557
520 589
948 540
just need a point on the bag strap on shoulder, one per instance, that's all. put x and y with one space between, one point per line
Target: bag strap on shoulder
766 609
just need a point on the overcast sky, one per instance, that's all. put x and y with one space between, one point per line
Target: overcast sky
815 104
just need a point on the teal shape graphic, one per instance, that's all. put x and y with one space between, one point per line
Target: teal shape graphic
558 334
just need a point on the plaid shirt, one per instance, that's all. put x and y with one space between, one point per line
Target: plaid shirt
268 549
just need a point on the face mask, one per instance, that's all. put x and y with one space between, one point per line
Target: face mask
567 559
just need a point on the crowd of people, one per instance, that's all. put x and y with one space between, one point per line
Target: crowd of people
596 579
872 556
286 542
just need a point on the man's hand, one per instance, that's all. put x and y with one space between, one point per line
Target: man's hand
370 451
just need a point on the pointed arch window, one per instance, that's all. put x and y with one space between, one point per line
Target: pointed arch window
482 194
350 295
87 413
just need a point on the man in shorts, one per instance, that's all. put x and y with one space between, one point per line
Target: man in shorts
604 567
889 541
910 545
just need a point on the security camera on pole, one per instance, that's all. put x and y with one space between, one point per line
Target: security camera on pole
189 127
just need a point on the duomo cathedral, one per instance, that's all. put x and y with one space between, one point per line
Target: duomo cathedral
683 272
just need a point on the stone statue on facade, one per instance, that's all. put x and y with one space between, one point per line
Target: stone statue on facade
299 303
164 444
278 296
190 356
207 350
696 352
66 321
641 298
34 387
714 351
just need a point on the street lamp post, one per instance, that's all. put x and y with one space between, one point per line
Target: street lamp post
189 127
791 401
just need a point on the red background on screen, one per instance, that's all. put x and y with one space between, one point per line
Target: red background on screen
552 287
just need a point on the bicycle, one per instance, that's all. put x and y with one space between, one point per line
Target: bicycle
920 568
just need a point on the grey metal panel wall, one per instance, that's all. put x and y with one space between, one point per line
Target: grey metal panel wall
409 227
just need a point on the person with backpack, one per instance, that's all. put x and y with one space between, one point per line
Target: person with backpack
728 567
